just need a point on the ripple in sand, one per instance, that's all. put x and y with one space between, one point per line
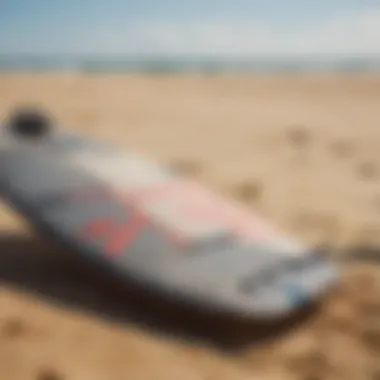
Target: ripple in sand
48 374
323 228
371 337
342 149
305 358
85 117
375 375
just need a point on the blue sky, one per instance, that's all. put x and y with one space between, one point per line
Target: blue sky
208 27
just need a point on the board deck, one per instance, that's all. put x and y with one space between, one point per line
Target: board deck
139 220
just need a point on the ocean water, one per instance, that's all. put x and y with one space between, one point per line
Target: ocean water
172 65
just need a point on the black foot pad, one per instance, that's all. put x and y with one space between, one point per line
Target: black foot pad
29 123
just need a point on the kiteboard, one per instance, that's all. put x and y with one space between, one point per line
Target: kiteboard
142 222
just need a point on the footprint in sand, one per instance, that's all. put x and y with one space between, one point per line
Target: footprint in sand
367 171
13 328
299 137
248 191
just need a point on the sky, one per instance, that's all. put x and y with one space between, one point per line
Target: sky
230 28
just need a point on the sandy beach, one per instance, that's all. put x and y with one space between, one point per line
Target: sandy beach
302 150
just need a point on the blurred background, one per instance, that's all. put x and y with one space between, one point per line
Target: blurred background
273 103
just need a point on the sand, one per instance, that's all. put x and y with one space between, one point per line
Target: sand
302 150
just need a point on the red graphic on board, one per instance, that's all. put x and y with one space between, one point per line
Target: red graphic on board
98 228
125 234
193 204
119 235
